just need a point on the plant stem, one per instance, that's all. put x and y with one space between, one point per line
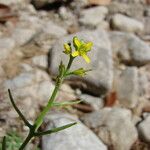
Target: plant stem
30 135
40 118
59 81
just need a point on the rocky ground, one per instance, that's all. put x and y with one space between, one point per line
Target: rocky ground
115 112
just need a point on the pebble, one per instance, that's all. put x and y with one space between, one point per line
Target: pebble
144 129
93 17
130 49
6 46
127 24
77 137
127 87
114 127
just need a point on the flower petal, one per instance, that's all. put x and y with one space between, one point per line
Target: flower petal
86 58
88 46
76 42
76 53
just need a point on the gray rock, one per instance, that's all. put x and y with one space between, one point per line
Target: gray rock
6 46
96 102
34 84
20 81
93 17
40 61
22 35
127 87
130 48
146 25
99 80
54 30
124 23
134 10
113 125
144 129
77 137
144 84
10 2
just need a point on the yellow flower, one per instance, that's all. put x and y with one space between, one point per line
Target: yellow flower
81 49
67 48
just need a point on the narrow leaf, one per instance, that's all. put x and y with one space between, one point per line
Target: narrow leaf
18 111
4 143
55 129
65 103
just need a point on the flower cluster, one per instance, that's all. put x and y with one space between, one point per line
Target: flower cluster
81 48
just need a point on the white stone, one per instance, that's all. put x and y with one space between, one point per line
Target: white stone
53 29
127 87
22 35
93 16
77 137
115 127
6 46
144 129
40 61
127 24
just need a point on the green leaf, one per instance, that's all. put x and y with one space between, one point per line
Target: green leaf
18 111
54 130
65 103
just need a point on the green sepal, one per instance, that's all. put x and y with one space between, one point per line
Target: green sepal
80 72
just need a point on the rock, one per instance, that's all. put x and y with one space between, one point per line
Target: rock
134 10
20 81
10 2
54 30
93 17
66 93
99 80
79 4
40 61
144 129
146 25
99 2
127 87
130 49
144 81
147 12
73 138
22 35
127 24
6 46
34 84
113 126
96 102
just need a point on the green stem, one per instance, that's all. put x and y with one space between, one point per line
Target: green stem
59 81
69 63
29 137
4 143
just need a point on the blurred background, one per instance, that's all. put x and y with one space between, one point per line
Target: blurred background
115 109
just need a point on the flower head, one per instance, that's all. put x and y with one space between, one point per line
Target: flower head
67 48
81 48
